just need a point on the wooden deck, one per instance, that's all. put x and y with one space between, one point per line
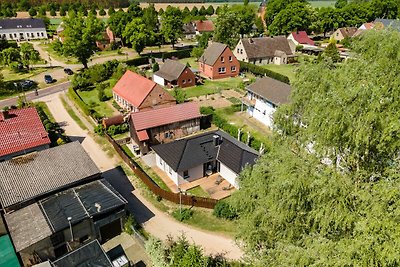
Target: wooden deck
208 184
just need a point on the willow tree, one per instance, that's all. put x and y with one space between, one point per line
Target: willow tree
294 209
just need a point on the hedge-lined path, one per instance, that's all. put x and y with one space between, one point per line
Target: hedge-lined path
159 224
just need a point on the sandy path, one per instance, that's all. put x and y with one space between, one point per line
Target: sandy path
160 224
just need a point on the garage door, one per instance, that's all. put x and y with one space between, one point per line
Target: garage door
110 230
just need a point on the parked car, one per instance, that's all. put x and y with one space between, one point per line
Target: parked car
27 84
68 71
48 79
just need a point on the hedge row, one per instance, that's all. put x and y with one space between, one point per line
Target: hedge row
233 130
260 71
146 58
82 105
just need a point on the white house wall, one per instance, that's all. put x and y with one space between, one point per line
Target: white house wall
23 34
167 169
229 175
262 111
194 173
159 80
240 53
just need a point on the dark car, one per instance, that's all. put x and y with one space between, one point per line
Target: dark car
27 84
48 79
68 71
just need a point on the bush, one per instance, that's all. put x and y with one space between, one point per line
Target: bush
223 210
129 223
99 129
186 214
207 110
260 71
118 129
156 67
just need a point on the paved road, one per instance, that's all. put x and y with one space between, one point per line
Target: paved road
155 222
32 96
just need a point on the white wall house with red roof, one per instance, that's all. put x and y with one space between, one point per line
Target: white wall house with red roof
300 38
21 132
134 92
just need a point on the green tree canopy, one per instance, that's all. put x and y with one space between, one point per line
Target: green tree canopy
80 36
28 54
295 209
171 24
137 34
297 16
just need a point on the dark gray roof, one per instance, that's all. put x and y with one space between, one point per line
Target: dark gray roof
272 90
389 23
79 203
39 173
193 151
89 255
171 70
27 226
212 53
189 28
29 23
263 47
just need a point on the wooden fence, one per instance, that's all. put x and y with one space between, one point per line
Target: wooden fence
173 197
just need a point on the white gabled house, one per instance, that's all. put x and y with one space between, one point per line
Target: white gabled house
264 96
192 158
22 29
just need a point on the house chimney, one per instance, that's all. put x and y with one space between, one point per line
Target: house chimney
216 140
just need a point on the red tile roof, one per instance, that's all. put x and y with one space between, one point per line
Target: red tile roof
133 87
302 38
142 135
21 129
148 119
204 26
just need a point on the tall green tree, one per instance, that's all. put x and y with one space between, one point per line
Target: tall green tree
297 209
171 24
340 3
80 36
28 54
225 30
150 18
137 34
32 12
275 6
332 52
118 21
10 55
295 17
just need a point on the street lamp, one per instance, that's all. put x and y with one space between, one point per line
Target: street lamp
70 228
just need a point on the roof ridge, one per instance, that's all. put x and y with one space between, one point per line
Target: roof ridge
80 202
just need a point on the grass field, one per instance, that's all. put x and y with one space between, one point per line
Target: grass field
285 69
10 75
212 87
322 3
92 100
198 191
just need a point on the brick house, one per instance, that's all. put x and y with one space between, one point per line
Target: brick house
163 125
134 92
173 73
21 132
106 40
218 62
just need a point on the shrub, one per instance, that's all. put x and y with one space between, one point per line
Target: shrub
223 210
117 129
99 129
129 223
156 67
207 110
186 214
260 71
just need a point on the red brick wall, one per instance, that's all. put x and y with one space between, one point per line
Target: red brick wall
157 97
212 71
186 75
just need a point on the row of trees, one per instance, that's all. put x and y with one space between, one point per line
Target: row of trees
327 193
285 16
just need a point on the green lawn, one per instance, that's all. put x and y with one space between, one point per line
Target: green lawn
322 3
204 219
192 61
92 100
198 191
213 86
285 69
10 75
58 57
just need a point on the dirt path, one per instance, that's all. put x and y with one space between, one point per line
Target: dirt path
159 224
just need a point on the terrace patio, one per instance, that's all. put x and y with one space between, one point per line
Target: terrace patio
214 185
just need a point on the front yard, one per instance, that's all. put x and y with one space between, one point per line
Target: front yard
92 100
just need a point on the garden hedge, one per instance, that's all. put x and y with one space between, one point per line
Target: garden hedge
145 58
260 71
